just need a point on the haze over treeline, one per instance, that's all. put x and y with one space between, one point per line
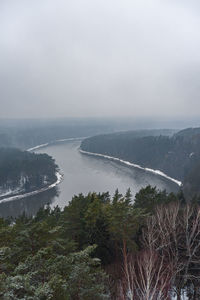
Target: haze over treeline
99 58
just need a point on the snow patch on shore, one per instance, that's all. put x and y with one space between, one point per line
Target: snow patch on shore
38 147
157 172
9 191
21 196
56 141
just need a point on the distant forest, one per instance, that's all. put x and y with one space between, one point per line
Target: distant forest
177 155
22 171
24 134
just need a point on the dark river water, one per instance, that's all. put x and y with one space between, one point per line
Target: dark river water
83 174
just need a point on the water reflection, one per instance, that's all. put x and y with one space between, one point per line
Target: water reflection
29 205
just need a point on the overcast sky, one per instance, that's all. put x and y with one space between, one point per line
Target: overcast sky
99 58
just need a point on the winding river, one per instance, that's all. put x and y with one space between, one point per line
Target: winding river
82 174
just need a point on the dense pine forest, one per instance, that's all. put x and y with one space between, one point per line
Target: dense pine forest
103 247
177 155
22 171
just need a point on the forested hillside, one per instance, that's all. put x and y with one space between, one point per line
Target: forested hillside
22 171
24 134
177 155
102 247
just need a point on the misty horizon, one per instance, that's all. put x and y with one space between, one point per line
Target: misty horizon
99 59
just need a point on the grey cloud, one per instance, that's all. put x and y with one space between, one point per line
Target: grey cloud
99 58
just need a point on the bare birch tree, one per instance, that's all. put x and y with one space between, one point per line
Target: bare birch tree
174 233
170 257
148 278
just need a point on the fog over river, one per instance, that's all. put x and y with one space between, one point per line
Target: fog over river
83 174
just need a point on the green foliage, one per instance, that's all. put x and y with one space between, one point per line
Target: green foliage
147 198
124 220
150 197
58 253
49 257
49 276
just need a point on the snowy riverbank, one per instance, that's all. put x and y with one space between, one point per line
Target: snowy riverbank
127 163
21 196
55 142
